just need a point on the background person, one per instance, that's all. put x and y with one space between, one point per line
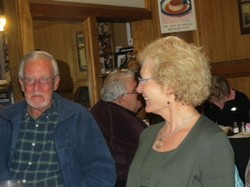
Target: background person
116 115
47 140
226 105
187 149
247 175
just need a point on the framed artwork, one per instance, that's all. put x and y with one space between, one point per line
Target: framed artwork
108 61
244 15
176 15
81 50
104 38
120 59
104 29
126 49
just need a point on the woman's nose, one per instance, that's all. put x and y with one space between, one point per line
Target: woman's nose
139 88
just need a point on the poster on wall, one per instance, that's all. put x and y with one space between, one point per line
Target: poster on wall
176 15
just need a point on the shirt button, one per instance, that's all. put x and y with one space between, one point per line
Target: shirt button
33 144
29 163
37 125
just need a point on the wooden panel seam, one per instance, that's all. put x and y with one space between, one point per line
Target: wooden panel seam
233 68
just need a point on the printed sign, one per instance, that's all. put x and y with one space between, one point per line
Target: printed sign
176 15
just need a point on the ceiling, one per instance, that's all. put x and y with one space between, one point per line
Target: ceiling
126 3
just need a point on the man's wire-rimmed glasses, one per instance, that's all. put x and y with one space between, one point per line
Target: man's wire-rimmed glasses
30 81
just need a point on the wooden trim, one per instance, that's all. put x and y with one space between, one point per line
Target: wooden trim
230 69
19 32
58 11
93 67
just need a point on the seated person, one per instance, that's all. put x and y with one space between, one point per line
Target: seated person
238 181
47 140
116 115
226 105
247 177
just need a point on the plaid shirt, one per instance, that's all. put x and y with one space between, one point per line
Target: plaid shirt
35 159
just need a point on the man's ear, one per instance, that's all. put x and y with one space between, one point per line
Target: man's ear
21 84
56 82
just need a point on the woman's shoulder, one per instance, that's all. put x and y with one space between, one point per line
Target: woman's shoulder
206 128
206 134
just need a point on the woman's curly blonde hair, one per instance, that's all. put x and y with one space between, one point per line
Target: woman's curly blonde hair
180 66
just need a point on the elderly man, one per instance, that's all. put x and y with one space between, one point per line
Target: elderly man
116 115
47 140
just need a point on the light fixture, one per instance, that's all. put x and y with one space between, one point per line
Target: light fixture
2 22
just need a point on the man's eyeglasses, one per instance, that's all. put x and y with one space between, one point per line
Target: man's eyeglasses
142 81
28 81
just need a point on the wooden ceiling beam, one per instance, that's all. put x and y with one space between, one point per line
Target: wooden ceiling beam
62 11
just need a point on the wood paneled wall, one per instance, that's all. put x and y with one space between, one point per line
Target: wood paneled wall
19 37
219 35
59 39
219 30
241 83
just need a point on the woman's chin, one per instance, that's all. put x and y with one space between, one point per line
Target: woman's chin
148 109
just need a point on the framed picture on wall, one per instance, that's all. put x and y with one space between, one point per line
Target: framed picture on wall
176 15
81 51
244 15
120 59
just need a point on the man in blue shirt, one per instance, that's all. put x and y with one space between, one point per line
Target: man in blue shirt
47 140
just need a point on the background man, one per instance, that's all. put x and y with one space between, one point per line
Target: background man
116 115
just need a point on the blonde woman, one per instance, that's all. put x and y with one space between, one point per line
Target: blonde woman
187 149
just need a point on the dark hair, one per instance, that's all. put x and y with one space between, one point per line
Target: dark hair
220 88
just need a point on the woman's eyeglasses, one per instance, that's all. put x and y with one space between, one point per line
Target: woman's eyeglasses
143 81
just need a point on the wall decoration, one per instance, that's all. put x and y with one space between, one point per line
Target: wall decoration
120 59
126 49
124 56
176 15
105 46
244 15
104 29
108 61
81 50
129 34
